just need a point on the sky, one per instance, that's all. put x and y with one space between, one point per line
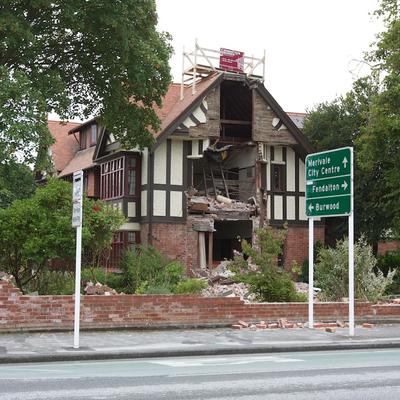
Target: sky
312 46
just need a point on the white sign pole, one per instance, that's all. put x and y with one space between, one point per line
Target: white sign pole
77 286
77 223
351 251
311 273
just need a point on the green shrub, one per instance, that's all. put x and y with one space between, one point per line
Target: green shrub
331 273
144 267
390 261
144 288
54 283
272 286
190 286
100 275
257 267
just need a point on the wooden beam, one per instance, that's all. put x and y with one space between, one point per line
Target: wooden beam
235 122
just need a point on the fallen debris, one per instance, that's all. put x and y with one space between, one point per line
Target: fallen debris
98 289
367 325
243 324
330 330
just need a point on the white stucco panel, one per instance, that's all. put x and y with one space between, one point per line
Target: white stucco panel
290 208
159 203
290 170
131 209
145 155
278 154
160 164
278 207
176 162
302 208
143 203
302 172
176 206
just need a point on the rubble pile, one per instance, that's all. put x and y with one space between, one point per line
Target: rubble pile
283 323
222 285
98 289
231 290
6 277
212 205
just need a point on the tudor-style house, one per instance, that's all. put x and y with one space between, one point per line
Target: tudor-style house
226 161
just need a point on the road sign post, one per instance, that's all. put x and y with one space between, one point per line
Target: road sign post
329 193
77 223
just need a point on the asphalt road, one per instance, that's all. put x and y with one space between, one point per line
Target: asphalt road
351 374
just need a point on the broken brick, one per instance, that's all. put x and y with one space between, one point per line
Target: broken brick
261 326
330 330
243 324
237 326
367 325
340 324
273 326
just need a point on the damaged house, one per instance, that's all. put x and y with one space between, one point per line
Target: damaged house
226 161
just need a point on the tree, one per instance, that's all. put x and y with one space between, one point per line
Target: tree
16 182
368 118
340 123
37 230
79 58
380 140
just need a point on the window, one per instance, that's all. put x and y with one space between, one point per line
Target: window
131 176
278 179
93 135
122 241
112 179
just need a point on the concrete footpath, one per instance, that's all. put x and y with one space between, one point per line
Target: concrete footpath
97 345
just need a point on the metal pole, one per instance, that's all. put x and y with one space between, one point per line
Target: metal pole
351 250
183 71
311 273
194 69
77 286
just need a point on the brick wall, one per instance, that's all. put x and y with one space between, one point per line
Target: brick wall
19 312
296 244
176 241
383 247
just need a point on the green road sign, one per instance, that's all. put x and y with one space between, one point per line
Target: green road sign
328 187
329 183
328 206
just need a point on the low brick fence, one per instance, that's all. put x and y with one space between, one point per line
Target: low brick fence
19 312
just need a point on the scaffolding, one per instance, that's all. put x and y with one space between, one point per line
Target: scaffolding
201 62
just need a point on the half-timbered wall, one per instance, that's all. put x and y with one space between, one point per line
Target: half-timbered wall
169 169
287 204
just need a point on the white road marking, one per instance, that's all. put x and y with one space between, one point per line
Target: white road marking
223 361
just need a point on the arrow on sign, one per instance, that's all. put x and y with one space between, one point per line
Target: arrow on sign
345 161
311 207
344 185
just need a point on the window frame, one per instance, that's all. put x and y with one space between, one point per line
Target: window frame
280 169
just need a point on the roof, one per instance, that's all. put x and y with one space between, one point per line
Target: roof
65 146
175 110
298 118
83 160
